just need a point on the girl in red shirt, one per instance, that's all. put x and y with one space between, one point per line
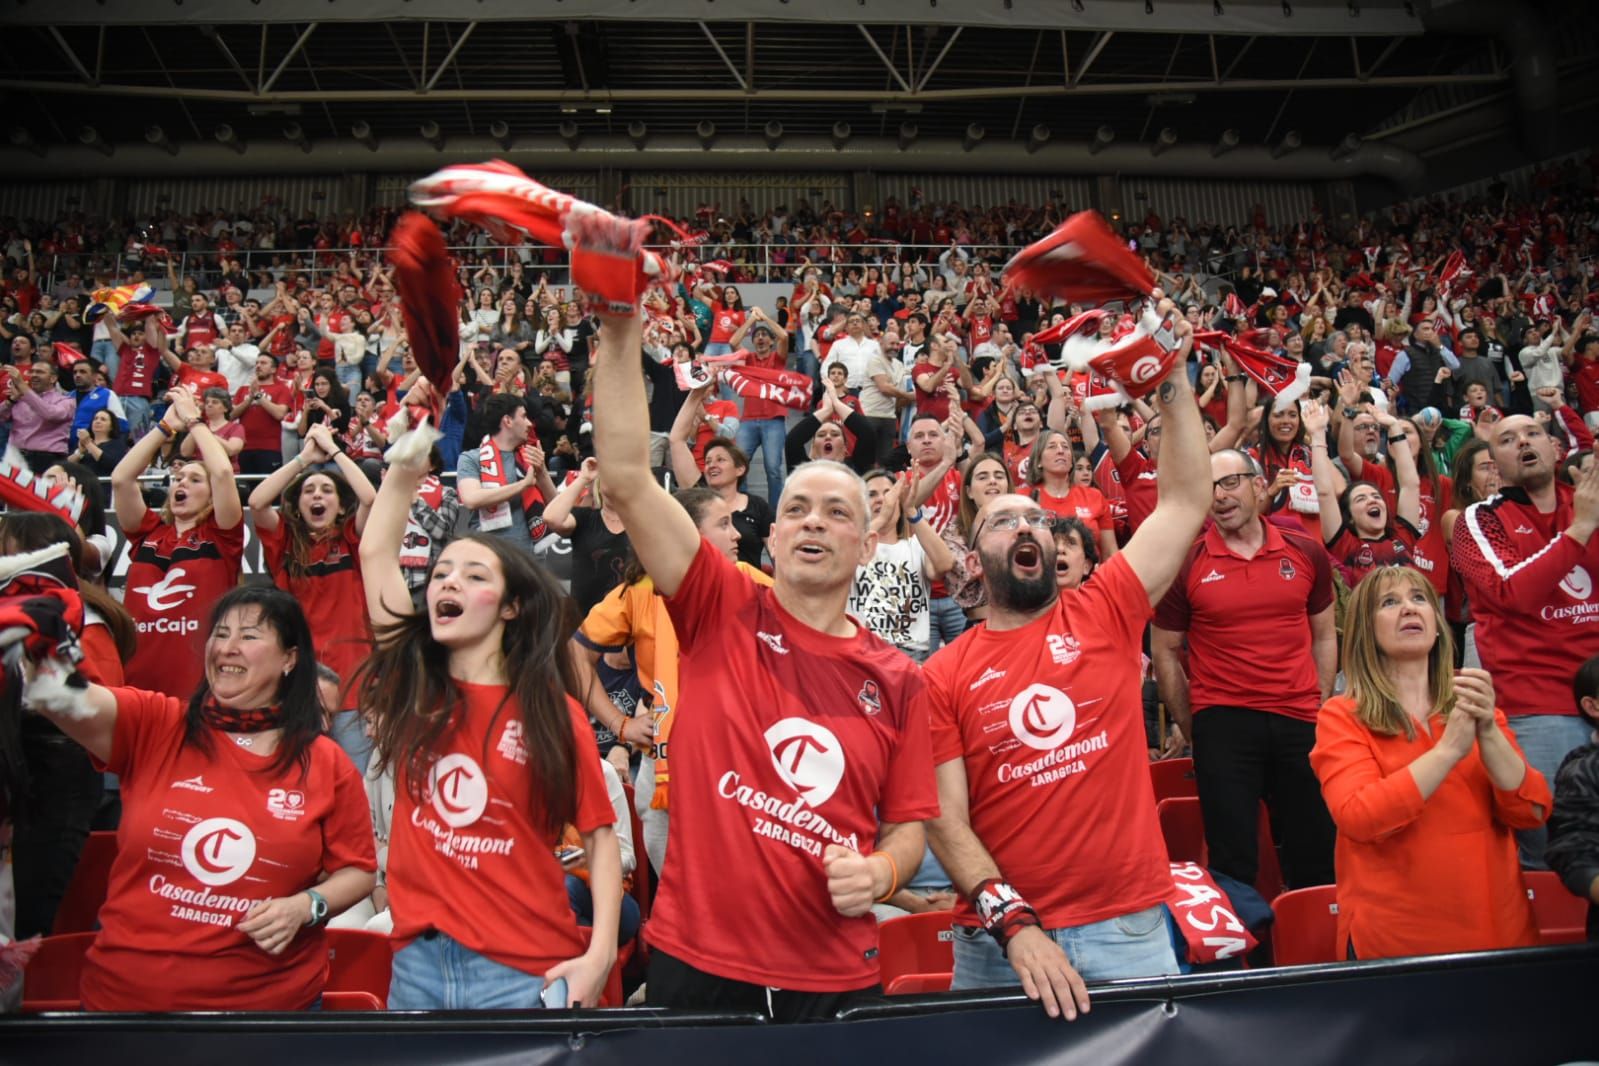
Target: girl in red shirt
1054 484
182 558
726 318
1282 448
491 759
1360 532
243 827
310 521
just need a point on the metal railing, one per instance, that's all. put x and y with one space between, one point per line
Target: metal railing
764 262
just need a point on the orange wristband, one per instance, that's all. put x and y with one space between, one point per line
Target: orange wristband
893 876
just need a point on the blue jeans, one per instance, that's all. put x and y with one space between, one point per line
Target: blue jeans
350 377
1545 740
440 974
1134 945
766 435
137 408
582 899
949 622
806 363
106 352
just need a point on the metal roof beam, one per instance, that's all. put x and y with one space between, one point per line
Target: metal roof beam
72 57
294 50
558 96
449 57
942 52
889 63
1093 54
227 53
727 62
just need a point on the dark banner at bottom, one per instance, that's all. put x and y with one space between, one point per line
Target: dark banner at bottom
1523 1008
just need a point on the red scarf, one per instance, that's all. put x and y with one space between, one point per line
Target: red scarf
490 472
1205 916
234 720
416 548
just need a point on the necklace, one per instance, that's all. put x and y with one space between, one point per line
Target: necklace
243 741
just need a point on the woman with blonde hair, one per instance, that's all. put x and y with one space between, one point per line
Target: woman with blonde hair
1425 783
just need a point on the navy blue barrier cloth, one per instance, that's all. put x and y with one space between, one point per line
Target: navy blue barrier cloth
1520 1008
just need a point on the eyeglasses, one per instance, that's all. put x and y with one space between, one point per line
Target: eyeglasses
1007 521
1230 482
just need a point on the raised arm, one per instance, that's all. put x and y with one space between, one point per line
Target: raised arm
558 512
1156 552
1315 417
1407 482
225 504
661 532
388 598
684 468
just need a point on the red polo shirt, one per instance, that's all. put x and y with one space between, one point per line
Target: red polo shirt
1248 622
1138 488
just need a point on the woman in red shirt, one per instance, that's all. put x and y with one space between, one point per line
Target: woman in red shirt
310 521
243 827
1358 529
1425 782
182 558
491 759
1051 476
726 318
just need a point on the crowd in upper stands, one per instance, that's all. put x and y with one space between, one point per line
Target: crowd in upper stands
1376 619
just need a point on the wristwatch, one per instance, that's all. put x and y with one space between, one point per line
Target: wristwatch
916 516
1351 412
319 908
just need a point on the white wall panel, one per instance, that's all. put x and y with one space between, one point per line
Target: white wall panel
47 201
681 194
989 190
1225 202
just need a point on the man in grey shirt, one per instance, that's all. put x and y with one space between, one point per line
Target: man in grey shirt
493 478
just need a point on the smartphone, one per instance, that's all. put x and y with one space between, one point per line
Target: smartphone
554 994
568 854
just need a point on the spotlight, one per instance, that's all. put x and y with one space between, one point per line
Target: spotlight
157 137
361 133
432 134
226 136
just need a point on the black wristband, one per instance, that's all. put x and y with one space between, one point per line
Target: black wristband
1237 377
1003 911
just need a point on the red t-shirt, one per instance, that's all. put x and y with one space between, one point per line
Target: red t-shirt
1049 722
1585 375
1081 501
137 370
1532 596
172 582
262 432
1248 622
1017 458
721 410
933 404
786 740
200 329
725 323
944 502
202 839
1139 488
756 407
472 859
330 593
1355 558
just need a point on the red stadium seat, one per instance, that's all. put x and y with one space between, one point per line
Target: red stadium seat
915 943
1183 827
1562 917
909 984
359 961
347 1001
80 905
1173 777
50 981
1306 926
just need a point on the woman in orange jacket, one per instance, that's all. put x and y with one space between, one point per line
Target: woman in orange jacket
1425 783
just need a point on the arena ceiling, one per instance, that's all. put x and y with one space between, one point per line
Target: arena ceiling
110 72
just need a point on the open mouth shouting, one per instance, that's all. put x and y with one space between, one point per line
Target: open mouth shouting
447 609
1027 558
811 550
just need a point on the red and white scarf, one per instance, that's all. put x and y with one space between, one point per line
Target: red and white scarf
417 548
491 472
1205 916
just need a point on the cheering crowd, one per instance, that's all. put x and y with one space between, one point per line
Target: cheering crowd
1339 549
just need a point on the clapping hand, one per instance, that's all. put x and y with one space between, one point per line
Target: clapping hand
1474 697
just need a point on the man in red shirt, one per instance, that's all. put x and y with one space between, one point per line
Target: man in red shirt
197 370
1135 468
806 747
762 426
260 408
200 326
1047 823
1255 604
1529 562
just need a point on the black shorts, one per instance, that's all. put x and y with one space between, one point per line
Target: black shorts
674 983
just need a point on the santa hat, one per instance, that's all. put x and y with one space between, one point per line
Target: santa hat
1138 353
1103 394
